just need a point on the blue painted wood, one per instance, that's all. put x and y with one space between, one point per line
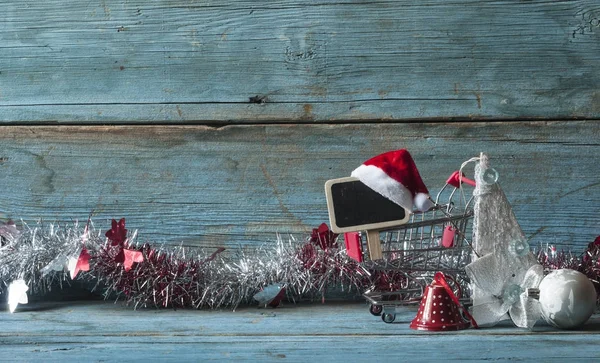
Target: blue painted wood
105 61
239 185
332 332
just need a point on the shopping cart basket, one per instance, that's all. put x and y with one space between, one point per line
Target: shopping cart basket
432 241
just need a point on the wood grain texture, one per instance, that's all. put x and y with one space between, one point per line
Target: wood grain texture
331 332
240 185
104 61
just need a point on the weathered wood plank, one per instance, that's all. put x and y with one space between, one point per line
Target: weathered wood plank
239 185
179 60
336 332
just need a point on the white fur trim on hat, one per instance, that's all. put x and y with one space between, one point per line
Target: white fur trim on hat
422 202
376 179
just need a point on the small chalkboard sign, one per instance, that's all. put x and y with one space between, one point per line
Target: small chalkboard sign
353 206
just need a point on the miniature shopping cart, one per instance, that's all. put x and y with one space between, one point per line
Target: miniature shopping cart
432 241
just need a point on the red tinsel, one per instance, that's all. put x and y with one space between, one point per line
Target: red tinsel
321 256
117 236
146 276
590 264
587 263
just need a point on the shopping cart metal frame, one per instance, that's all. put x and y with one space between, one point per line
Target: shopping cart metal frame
436 240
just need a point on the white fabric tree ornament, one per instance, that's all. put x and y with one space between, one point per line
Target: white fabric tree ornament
17 294
505 268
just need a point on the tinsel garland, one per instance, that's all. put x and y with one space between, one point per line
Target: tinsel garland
174 277
46 255
587 263
27 254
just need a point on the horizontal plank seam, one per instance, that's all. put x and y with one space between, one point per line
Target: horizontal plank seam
216 124
237 102
400 334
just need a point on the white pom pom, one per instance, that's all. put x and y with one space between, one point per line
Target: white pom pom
422 202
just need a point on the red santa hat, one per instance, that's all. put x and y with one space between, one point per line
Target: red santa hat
395 176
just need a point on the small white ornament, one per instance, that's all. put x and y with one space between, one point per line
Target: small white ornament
59 263
567 298
17 294
423 202
271 294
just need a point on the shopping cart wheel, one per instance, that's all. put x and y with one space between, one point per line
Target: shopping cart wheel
388 318
376 309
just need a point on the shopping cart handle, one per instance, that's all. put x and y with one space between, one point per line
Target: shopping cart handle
455 180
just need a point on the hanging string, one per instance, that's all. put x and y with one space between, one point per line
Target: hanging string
460 175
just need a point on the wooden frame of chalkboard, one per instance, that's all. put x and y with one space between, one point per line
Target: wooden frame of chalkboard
354 207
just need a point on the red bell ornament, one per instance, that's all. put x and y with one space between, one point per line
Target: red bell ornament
440 308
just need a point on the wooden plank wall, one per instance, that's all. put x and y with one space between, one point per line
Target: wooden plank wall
217 122
189 60
242 184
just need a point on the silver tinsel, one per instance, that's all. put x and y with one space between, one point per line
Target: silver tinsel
175 276
187 277
26 253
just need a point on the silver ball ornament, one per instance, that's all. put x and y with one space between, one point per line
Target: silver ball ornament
490 176
567 298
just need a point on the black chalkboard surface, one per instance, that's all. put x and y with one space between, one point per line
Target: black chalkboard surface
355 207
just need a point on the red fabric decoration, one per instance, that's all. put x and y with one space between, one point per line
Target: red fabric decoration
118 234
128 258
394 175
118 238
400 166
323 237
83 263
131 257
